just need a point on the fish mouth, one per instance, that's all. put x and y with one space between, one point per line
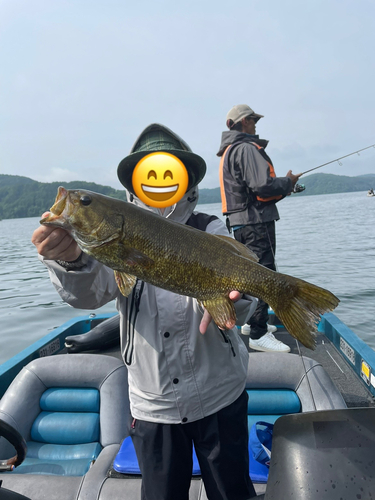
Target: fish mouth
159 193
57 208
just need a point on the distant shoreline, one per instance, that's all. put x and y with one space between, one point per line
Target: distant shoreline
23 197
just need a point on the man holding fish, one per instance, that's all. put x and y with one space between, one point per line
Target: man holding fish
184 387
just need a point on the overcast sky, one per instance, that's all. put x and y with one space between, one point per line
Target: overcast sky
80 79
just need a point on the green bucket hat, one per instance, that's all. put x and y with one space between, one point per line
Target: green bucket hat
156 138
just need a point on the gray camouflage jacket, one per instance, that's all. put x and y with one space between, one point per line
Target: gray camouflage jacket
176 374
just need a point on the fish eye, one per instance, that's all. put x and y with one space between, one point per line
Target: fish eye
168 173
85 200
152 173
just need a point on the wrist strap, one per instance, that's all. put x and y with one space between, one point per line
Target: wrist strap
74 264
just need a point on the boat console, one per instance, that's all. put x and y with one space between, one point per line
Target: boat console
324 455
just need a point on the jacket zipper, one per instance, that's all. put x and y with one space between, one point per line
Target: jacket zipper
227 341
134 310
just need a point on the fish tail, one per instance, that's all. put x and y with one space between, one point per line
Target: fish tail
300 310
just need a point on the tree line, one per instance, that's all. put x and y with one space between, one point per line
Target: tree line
24 197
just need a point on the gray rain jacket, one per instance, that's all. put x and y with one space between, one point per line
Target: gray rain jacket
246 174
176 374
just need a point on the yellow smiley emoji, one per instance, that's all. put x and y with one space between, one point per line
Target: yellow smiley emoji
160 179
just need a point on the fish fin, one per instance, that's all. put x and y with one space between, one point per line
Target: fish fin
222 311
133 257
138 258
301 308
239 247
125 282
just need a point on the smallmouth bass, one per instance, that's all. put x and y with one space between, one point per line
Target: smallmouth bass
136 243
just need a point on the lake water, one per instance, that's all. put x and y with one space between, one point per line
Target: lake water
327 239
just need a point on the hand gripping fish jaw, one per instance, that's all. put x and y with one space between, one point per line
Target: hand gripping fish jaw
70 212
58 207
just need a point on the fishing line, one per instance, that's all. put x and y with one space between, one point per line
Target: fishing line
307 378
297 342
271 246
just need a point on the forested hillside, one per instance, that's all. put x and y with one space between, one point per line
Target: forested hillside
24 197
330 183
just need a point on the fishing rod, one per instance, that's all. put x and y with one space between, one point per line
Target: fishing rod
338 159
300 187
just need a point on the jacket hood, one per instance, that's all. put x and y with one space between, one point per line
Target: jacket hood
231 136
179 212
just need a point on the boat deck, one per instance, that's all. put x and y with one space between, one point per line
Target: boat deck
352 388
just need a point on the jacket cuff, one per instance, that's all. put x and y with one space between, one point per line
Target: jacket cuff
245 308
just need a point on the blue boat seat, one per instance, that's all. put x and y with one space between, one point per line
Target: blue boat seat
65 434
269 404
284 384
302 375
72 411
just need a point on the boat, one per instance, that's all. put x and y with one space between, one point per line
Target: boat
64 407
370 192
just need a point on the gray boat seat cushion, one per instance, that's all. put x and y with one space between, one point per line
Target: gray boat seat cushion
290 373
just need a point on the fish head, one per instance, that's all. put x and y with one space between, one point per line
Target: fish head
89 217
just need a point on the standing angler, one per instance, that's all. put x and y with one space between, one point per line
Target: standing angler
249 193
184 387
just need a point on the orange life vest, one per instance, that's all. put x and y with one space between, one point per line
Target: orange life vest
224 195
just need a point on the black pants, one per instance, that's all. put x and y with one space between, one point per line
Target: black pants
261 239
164 453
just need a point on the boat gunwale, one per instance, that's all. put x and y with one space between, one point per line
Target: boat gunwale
330 326
74 326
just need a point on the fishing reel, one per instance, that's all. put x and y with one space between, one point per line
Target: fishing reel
298 188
